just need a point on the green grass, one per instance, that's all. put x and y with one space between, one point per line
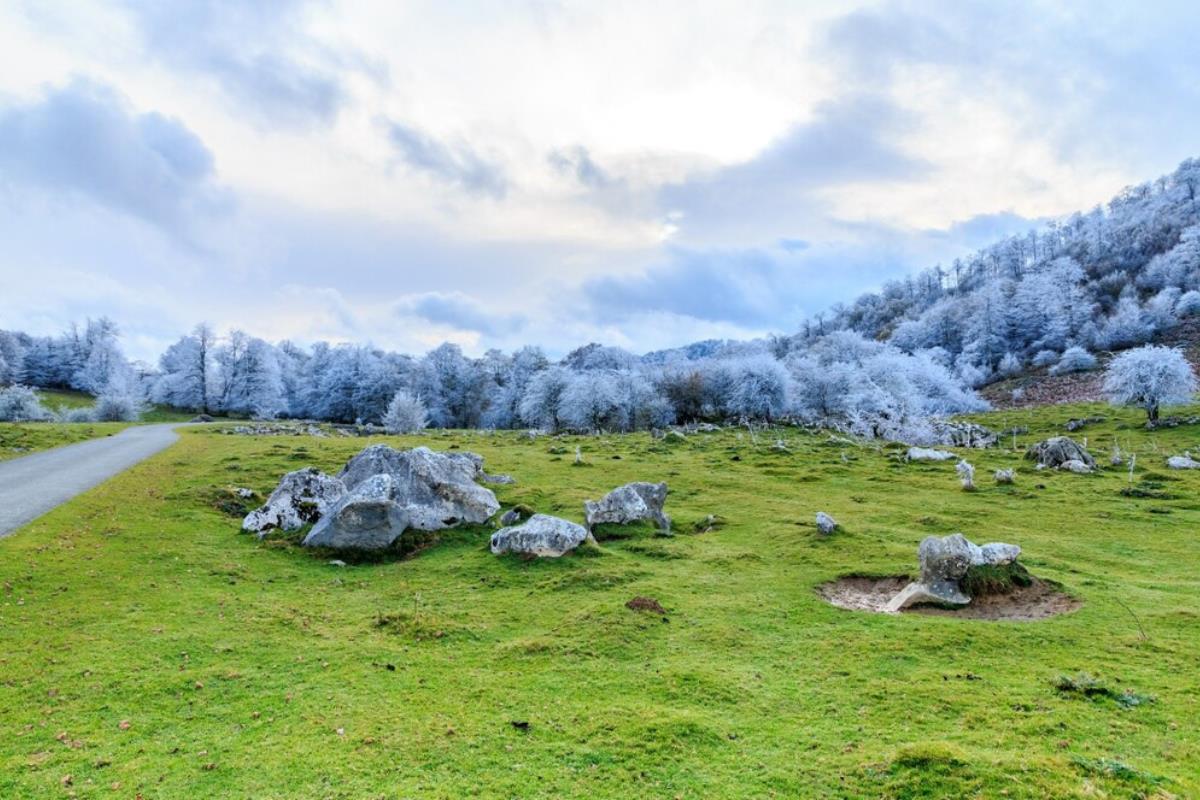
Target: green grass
247 669
22 438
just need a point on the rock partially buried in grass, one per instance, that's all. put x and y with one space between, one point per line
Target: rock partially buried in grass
945 562
632 502
825 523
543 535
437 490
366 519
1005 476
302 497
927 454
1076 466
1058 451
1184 461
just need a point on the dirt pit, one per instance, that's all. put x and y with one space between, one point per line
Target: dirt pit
1039 600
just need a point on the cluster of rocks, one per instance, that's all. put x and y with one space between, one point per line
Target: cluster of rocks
381 493
276 429
963 434
945 561
377 496
1061 452
546 536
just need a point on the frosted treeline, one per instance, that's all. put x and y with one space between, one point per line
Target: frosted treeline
841 380
1109 279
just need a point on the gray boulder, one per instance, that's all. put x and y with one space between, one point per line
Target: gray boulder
1057 451
825 523
437 490
1077 466
366 519
629 503
302 497
1184 461
543 535
944 562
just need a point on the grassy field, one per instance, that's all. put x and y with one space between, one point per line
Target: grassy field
149 649
19 439
22 438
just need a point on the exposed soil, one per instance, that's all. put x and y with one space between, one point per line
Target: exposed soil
1040 600
645 604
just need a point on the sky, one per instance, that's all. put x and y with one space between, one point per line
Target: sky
505 173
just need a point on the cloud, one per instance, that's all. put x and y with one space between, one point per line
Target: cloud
852 139
256 52
461 312
82 139
458 164
578 163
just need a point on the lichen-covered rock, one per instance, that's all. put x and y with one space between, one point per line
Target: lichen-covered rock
366 519
825 523
944 562
629 503
963 434
437 490
302 497
1182 462
1058 450
543 535
927 454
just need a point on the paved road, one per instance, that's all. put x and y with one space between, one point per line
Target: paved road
32 485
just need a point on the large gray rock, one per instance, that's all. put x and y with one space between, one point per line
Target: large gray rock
944 562
1184 461
302 497
542 535
629 503
366 519
437 490
1057 451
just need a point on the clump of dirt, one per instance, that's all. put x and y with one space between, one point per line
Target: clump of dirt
1038 600
646 604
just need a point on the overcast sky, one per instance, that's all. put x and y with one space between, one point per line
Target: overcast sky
502 173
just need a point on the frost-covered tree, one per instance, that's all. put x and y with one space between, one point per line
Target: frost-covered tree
101 357
249 377
759 390
405 413
117 403
186 371
1128 325
1074 359
591 402
540 405
21 404
12 358
1150 377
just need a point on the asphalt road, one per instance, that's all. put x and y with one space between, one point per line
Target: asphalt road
32 485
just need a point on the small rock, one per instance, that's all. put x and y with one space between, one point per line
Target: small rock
1184 461
1077 466
646 604
927 454
1005 475
825 523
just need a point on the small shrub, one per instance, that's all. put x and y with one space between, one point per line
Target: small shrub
1074 359
405 414
21 404
117 406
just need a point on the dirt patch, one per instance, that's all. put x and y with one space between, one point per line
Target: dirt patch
645 604
1039 600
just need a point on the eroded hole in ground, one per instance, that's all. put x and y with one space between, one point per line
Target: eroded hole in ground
1040 600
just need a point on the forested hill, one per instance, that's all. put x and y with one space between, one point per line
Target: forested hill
1102 280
